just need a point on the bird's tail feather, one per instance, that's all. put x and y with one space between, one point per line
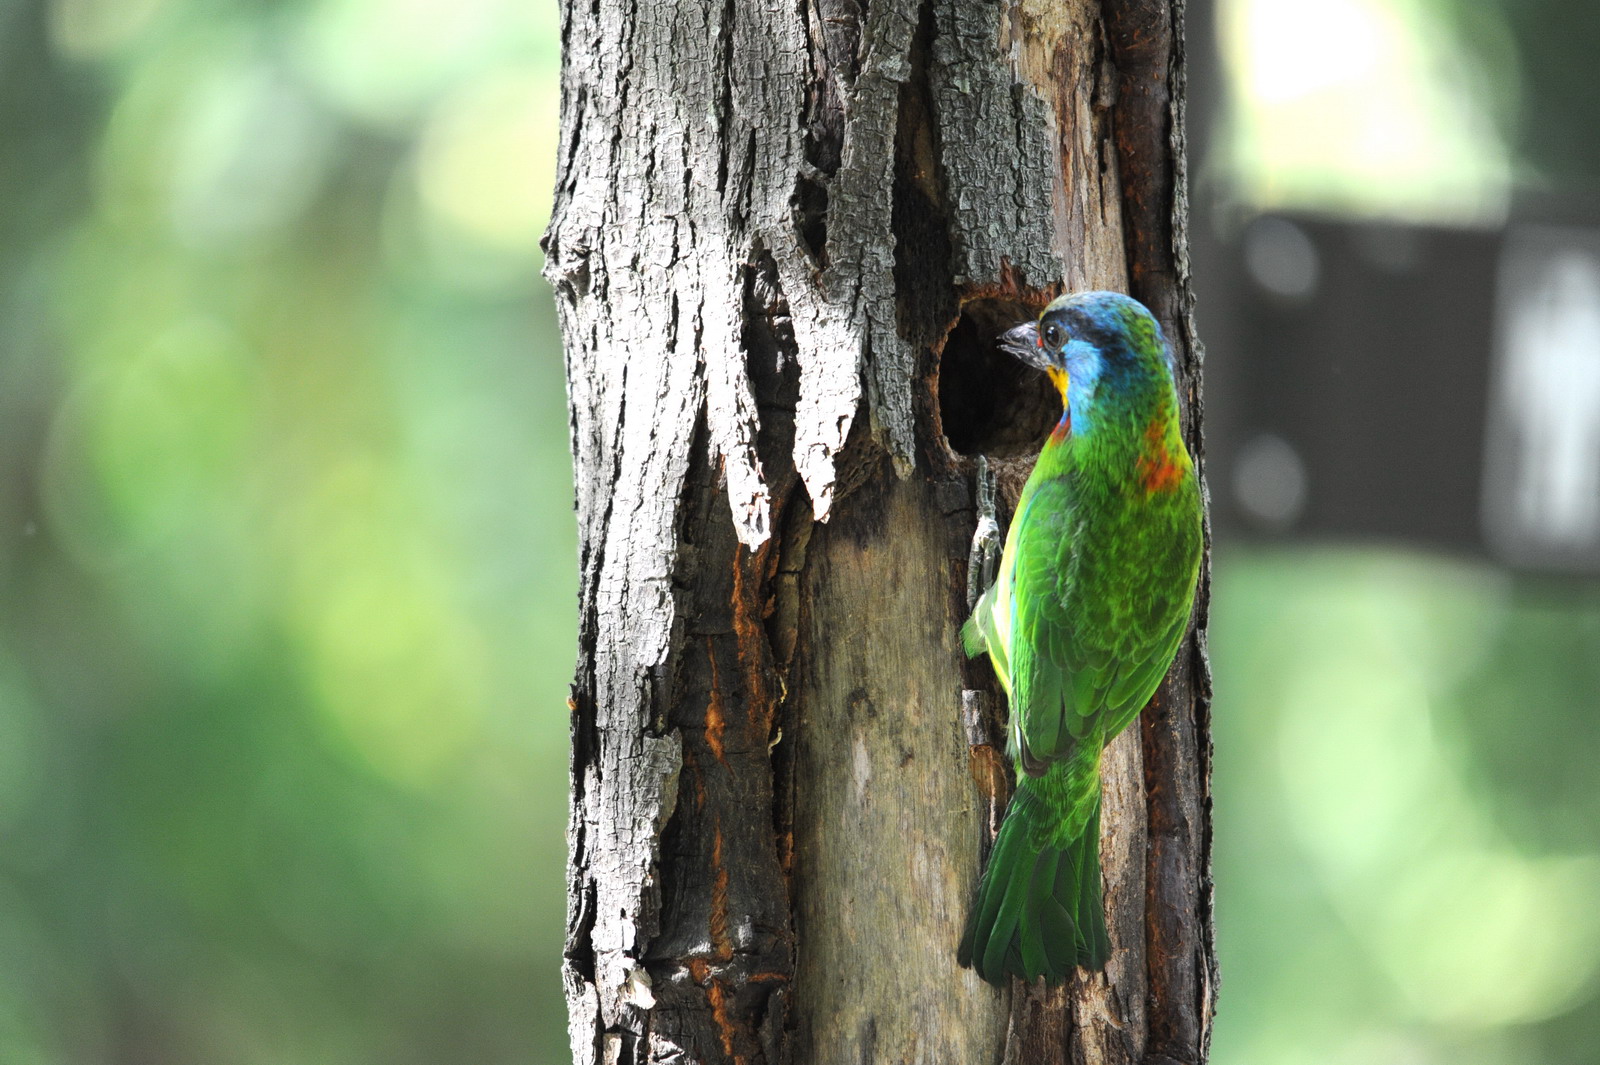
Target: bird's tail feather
1038 910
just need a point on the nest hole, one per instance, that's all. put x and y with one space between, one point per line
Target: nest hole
990 403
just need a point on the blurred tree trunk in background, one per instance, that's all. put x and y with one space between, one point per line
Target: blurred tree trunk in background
783 241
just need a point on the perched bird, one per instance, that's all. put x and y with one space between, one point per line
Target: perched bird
1092 599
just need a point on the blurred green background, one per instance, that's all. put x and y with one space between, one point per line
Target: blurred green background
286 542
1407 793
288 561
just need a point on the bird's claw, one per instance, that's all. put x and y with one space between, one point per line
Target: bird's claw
983 560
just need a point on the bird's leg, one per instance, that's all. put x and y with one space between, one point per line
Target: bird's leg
984 558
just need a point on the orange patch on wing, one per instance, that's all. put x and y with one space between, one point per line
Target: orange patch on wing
1159 470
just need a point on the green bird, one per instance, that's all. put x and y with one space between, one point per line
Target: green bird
1092 599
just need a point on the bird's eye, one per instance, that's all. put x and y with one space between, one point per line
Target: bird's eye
1052 335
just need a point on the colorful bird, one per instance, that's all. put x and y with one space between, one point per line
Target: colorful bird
1092 599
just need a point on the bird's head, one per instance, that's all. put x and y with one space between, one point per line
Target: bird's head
1095 346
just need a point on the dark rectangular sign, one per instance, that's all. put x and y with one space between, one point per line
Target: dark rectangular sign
1439 387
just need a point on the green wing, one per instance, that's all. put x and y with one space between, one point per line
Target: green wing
1048 655
1098 609
980 634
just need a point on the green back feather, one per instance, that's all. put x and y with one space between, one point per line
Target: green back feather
1094 595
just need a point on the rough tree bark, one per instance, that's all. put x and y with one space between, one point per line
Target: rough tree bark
785 236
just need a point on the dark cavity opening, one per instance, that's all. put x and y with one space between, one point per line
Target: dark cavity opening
990 403
811 217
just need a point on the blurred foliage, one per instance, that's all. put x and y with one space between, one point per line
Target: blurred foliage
1429 110
1536 68
1407 855
1407 822
288 561
1360 106
285 534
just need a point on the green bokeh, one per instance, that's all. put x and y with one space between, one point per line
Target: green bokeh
288 574
1406 821
285 534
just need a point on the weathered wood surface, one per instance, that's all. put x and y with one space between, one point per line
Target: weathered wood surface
784 237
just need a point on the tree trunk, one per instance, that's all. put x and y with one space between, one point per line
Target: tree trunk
785 237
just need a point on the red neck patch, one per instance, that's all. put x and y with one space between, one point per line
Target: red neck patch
1158 469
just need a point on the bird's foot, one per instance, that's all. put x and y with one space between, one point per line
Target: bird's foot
983 560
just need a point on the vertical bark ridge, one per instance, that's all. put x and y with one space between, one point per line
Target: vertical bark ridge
1146 41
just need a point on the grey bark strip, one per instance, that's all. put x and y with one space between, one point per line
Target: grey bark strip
782 240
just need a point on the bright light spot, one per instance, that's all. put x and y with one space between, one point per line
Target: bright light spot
484 164
1356 104
1542 494
1353 41
1281 258
1269 481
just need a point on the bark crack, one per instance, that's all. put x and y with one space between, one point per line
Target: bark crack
923 283
723 58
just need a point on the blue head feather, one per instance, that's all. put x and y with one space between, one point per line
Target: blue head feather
1104 341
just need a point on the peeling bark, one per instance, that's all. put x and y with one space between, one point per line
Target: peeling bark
784 239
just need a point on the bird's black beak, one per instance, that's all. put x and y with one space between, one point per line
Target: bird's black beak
1022 342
